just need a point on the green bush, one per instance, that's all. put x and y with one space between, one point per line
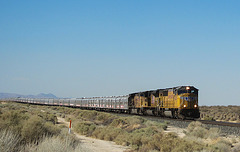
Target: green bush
99 132
88 115
123 138
85 128
120 123
35 128
12 120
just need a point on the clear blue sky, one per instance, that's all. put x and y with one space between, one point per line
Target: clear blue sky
115 47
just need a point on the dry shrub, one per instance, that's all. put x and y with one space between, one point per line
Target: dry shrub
208 118
223 113
123 138
199 130
193 125
113 132
88 115
170 143
99 118
222 146
119 123
213 133
160 126
236 148
48 117
108 133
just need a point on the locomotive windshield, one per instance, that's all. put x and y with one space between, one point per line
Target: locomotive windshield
194 91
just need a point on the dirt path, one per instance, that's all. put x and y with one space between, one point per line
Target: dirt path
95 145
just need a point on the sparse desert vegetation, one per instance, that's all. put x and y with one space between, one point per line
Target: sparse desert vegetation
28 128
221 113
142 134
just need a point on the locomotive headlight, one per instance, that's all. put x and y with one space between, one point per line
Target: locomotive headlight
187 88
184 106
195 106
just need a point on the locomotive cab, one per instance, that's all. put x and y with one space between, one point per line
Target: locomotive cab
188 97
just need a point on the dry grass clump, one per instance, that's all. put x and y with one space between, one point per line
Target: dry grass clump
55 144
9 141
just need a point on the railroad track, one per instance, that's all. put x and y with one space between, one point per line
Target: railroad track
220 123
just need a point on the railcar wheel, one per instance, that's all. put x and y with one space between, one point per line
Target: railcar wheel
129 111
144 112
154 112
138 111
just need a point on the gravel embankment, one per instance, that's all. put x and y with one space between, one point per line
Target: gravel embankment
225 130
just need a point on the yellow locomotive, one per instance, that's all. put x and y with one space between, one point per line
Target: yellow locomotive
181 101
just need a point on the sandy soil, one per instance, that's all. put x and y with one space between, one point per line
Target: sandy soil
177 130
95 145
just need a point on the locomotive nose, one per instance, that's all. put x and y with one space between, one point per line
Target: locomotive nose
189 101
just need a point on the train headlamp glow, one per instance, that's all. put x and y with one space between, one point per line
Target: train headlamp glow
184 106
195 106
187 88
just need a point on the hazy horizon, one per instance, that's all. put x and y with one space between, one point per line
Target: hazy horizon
105 48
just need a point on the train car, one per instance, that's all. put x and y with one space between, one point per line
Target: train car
181 101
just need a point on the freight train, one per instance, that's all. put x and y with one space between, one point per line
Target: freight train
181 102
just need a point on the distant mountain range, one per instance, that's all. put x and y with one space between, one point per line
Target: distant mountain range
14 95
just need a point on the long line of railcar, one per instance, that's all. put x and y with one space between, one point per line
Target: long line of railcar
180 101
112 103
